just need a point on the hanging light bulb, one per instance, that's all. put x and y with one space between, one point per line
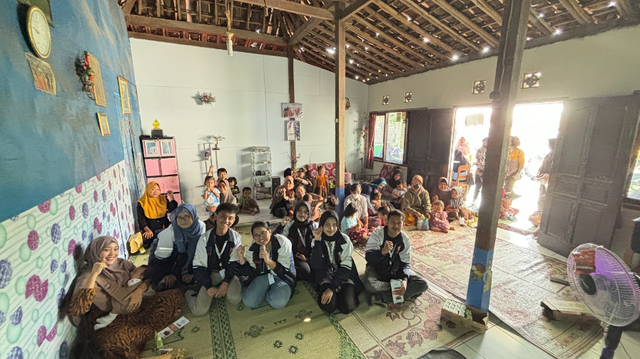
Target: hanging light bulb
229 43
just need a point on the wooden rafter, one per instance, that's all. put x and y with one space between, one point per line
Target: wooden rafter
293 7
421 58
409 64
354 8
309 25
408 37
324 43
576 11
434 21
467 22
356 48
128 6
625 7
419 30
135 20
489 10
540 23
354 69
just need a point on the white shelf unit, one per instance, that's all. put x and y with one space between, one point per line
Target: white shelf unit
261 161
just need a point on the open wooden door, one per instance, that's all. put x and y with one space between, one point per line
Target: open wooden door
588 176
429 144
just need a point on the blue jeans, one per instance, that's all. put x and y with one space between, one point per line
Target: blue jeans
259 290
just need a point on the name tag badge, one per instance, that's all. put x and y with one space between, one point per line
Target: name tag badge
222 272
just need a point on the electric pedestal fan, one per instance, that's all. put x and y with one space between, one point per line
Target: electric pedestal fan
608 289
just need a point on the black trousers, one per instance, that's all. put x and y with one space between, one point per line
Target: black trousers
345 300
303 270
479 181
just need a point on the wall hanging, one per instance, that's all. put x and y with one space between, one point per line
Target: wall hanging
291 110
385 100
205 98
43 76
86 74
103 122
407 97
479 87
124 96
531 80
293 130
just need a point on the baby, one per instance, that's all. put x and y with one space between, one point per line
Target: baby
136 276
398 193
315 208
438 220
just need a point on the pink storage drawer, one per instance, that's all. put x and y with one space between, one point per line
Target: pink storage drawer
169 166
153 167
171 184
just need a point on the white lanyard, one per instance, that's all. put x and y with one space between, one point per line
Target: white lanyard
215 246
330 248
302 239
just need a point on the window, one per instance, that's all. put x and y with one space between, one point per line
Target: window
390 137
634 186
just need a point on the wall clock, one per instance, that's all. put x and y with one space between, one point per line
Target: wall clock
39 34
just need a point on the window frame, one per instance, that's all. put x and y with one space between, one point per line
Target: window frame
383 159
627 202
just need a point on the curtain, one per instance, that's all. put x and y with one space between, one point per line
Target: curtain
368 163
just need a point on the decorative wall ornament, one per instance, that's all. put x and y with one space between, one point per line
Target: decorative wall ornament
407 97
86 74
206 98
347 103
125 101
103 122
43 76
98 86
291 110
531 80
385 100
293 130
479 87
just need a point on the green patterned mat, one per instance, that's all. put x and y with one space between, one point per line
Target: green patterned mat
302 330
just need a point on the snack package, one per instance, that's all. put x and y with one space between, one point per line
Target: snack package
396 284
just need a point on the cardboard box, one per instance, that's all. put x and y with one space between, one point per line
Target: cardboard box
564 309
478 324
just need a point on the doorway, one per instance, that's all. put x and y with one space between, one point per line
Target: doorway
534 124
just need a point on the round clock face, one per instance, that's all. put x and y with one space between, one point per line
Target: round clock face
39 34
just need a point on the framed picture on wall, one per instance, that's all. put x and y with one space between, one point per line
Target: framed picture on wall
293 130
124 96
103 122
291 110
151 148
166 148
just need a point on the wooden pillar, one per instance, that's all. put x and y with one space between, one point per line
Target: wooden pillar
340 103
292 93
514 27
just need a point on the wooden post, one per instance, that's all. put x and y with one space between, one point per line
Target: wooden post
514 26
292 93
340 103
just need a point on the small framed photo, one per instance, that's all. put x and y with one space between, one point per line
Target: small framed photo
151 148
166 148
125 101
291 110
103 122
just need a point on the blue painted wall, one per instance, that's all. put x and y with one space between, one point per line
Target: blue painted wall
50 143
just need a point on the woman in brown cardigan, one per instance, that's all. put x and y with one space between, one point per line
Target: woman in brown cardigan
109 309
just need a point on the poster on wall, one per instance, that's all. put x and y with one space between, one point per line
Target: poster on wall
125 102
104 124
43 77
291 110
98 86
293 130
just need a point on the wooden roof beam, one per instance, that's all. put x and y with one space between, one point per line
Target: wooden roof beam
360 72
352 9
309 25
394 13
435 22
372 62
136 20
293 7
385 34
408 37
128 6
576 11
364 35
489 10
538 22
625 8
364 69
490 39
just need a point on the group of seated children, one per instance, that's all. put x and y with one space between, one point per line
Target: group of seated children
226 191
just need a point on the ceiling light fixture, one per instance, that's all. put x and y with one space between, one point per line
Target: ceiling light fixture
558 32
351 61
541 15
455 57
486 49
612 4
425 39
331 50
258 31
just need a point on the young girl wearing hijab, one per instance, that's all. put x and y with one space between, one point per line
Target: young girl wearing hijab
456 210
175 248
333 268
101 288
152 211
300 233
269 268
